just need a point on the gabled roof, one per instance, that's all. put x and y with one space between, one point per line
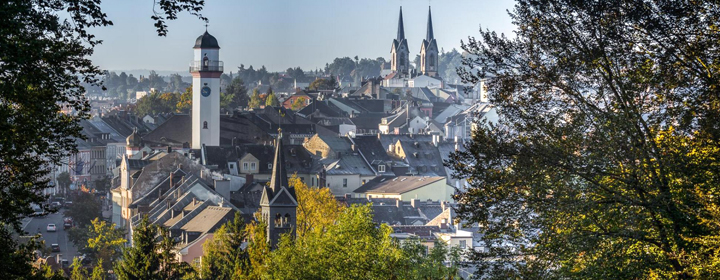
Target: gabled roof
396 185
176 130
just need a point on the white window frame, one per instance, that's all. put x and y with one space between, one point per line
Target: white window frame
381 168
245 166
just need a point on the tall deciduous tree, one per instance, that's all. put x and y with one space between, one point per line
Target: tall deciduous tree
603 162
84 209
317 208
185 101
255 99
105 241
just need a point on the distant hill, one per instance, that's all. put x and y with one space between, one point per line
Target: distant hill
146 72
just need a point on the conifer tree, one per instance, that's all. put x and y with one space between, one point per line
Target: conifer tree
223 258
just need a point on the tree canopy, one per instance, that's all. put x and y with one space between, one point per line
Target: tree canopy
45 48
601 163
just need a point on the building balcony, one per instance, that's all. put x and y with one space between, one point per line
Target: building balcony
206 66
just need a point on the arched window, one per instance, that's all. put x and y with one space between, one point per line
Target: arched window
432 60
204 125
206 62
278 220
286 220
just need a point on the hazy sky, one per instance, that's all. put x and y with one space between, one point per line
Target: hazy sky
288 33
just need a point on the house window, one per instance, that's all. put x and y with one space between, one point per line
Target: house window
252 166
232 166
312 180
381 168
463 244
363 181
245 166
204 125
344 182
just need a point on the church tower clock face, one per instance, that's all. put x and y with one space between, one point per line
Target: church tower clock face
205 91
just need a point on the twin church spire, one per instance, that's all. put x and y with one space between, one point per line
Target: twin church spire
400 54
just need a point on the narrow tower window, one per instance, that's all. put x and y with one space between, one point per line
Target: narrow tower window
206 62
204 125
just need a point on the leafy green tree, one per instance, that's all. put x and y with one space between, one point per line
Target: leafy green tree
185 101
105 241
600 164
223 256
324 84
84 209
317 208
77 271
254 99
353 248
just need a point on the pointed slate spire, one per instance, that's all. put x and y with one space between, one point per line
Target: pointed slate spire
401 29
279 177
429 35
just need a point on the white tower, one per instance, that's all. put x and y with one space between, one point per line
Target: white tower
206 70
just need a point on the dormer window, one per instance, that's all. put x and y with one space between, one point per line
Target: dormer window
381 168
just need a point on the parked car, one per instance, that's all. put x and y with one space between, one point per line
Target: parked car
55 247
51 228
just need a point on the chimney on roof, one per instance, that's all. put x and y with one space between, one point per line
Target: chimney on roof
414 203
194 201
172 213
169 149
443 204
171 180
379 136
353 148
398 203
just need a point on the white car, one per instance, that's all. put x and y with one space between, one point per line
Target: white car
51 228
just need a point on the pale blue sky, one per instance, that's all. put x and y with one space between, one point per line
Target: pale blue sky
288 33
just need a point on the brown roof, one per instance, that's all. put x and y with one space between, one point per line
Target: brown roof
208 219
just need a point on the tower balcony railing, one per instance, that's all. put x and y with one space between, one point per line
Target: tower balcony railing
206 66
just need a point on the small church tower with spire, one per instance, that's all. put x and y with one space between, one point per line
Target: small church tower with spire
400 62
279 202
429 51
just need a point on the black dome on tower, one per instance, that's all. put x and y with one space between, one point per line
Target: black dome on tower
206 41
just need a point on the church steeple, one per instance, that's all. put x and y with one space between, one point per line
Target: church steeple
278 201
429 51
400 54
429 36
401 28
278 177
